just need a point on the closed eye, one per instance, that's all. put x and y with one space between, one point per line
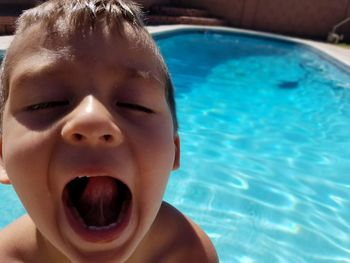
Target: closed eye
47 105
135 107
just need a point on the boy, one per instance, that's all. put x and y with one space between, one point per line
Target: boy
88 139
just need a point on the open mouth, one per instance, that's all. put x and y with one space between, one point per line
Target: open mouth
97 203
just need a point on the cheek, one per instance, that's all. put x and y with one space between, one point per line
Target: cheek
23 151
25 159
157 150
155 161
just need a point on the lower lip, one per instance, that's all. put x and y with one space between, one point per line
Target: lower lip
100 235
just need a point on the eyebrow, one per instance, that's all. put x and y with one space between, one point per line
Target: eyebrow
127 72
24 72
143 74
50 65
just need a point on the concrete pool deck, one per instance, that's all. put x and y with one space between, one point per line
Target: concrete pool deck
338 53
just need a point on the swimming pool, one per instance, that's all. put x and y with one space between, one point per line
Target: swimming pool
265 148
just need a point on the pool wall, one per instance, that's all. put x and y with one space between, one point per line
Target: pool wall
310 19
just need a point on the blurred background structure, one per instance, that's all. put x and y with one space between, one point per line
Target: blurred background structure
313 19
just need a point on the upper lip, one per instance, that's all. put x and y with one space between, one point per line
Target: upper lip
85 162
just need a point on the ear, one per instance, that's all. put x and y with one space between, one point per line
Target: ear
3 175
176 164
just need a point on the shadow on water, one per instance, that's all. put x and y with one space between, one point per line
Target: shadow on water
190 62
288 84
264 148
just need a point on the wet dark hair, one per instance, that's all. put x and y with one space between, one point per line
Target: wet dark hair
82 16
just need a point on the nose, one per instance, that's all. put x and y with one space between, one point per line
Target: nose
90 123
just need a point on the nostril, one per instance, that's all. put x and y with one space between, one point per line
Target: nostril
107 137
77 136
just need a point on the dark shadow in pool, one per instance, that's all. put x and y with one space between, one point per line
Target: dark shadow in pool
288 84
191 56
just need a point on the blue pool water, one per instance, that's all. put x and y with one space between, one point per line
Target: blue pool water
265 143
265 147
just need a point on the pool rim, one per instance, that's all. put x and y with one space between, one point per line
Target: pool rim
321 49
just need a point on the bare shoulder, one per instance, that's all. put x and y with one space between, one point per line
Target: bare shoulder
183 240
14 240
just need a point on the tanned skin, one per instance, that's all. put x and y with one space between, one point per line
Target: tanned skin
92 105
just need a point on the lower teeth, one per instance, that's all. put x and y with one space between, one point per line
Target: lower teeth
96 228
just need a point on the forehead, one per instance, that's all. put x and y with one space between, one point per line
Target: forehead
97 47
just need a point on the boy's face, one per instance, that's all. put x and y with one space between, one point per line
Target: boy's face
88 140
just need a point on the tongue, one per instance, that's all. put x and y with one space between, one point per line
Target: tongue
98 202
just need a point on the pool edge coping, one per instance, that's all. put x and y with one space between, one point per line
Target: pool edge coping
339 56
